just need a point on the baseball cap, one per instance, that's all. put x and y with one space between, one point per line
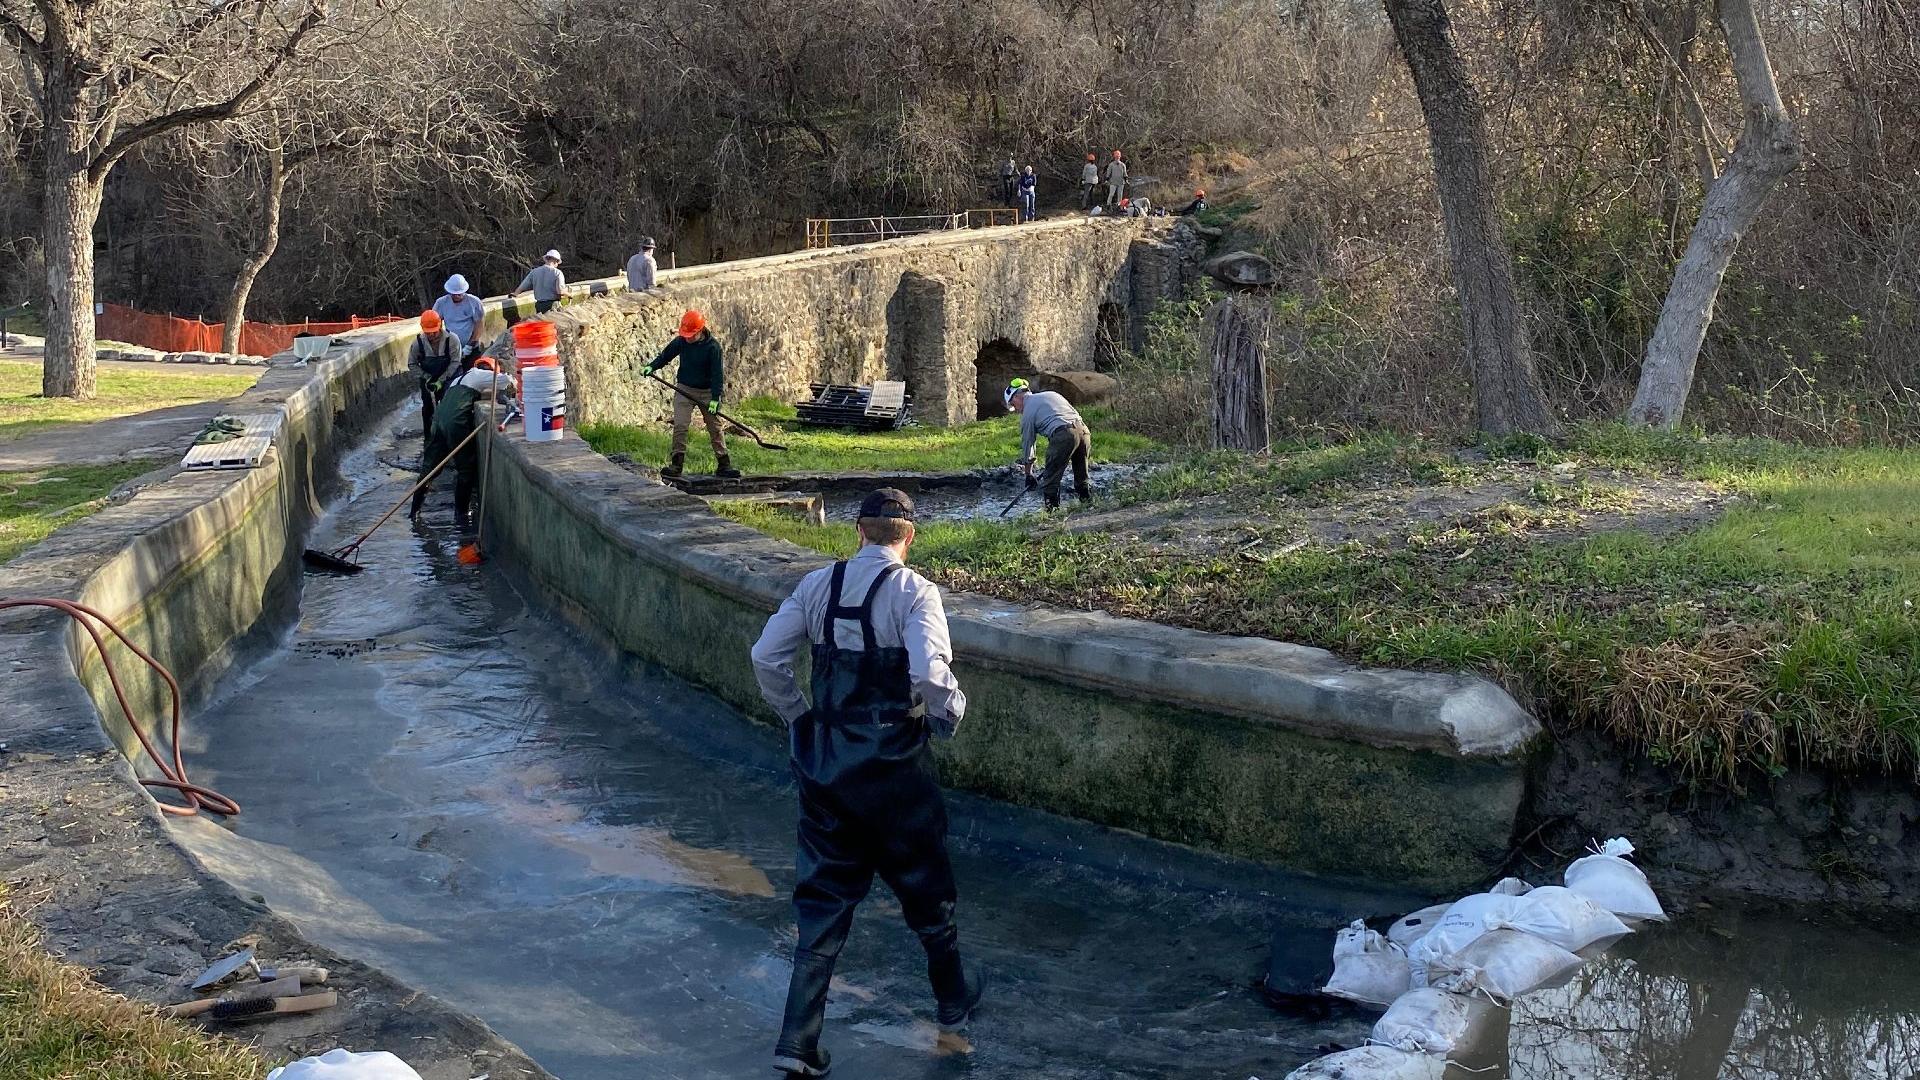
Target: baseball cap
887 503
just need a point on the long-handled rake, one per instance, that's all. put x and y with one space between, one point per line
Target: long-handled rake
341 559
737 425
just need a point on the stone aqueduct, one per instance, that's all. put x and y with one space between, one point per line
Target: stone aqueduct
953 315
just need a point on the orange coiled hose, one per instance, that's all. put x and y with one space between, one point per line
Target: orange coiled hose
175 774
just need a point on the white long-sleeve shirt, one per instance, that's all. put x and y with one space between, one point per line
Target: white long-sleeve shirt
907 612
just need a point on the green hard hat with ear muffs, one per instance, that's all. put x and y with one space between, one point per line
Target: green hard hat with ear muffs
1017 386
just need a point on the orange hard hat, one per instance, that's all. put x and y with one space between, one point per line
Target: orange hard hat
691 324
430 321
487 363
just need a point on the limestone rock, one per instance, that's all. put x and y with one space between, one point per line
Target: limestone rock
1081 388
1242 268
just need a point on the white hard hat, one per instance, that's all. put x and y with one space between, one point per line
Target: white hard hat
457 284
1017 386
552 253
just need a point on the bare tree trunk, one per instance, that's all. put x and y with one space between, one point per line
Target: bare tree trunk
1506 385
1766 153
235 314
1239 348
67 216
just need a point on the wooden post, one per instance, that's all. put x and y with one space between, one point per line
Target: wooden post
1238 345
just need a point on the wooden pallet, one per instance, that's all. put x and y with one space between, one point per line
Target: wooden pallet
881 407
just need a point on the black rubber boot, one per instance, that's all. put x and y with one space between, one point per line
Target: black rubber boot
723 468
798 1052
675 467
955 990
1083 495
419 503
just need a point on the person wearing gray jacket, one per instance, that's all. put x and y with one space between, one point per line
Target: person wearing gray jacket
546 282
1049 415
1116 181
641 269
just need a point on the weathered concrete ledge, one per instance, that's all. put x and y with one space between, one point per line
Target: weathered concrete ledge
191 567
1247 747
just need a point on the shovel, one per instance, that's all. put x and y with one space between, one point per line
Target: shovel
340 559
737 425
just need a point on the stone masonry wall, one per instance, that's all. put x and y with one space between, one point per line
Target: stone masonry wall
919 310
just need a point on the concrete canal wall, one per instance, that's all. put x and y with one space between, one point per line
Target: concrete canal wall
1244 746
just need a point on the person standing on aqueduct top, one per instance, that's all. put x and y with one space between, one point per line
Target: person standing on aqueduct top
701 377
1009 177
1089 181
641 269
546 281
1116 181
1029 194
462 313
870 800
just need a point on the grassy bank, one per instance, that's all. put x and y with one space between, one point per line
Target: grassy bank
985 444
121 392
56 1024
1783 631
35 502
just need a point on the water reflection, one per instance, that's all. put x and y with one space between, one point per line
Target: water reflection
1731 996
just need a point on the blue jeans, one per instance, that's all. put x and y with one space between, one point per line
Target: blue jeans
1026 204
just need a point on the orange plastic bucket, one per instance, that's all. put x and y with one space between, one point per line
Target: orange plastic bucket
535 344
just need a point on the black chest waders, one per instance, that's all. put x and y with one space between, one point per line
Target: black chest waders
869 804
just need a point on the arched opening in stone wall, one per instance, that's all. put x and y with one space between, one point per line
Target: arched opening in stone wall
1109 337
1000 362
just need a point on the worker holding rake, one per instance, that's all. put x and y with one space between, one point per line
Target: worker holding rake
453 420
697 384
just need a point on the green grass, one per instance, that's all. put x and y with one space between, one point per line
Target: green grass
978 445
56 1024
121 392
36 502
1786 632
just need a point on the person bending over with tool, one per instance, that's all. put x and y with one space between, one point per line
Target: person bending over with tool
456 417
700 378
1047 414
870 799
435 360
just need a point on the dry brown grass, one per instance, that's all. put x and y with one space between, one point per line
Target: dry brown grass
56 1023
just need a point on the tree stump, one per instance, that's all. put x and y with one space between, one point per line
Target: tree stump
1238 345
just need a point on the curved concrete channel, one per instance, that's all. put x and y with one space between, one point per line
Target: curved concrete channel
444 778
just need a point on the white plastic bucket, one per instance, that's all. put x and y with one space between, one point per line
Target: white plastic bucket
543 394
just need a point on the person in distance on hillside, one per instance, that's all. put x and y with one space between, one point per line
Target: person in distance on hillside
1048 415
641 269
462 313
546 282
1089 182
1198 204
1009 180
870 800
1029 194
701 376
434 359
1116 181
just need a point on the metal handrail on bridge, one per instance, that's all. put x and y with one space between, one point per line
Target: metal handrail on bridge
836 232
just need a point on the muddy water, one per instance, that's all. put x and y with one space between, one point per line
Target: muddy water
440 778
1002 491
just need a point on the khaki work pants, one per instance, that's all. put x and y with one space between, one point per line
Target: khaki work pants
683 410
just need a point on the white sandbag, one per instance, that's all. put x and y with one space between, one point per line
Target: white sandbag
1425 1021
1461 926
1367 968
1503 964
1608 879
1372 1063
1414 926
346 1065
1511 886
1566 918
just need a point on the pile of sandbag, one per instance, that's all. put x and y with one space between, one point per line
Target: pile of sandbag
1443 972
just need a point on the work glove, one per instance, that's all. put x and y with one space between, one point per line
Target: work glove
713 406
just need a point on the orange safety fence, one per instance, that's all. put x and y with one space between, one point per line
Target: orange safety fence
170 334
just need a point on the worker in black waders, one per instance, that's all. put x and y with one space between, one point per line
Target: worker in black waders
869 793
453 419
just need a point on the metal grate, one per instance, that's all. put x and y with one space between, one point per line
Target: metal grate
878 407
